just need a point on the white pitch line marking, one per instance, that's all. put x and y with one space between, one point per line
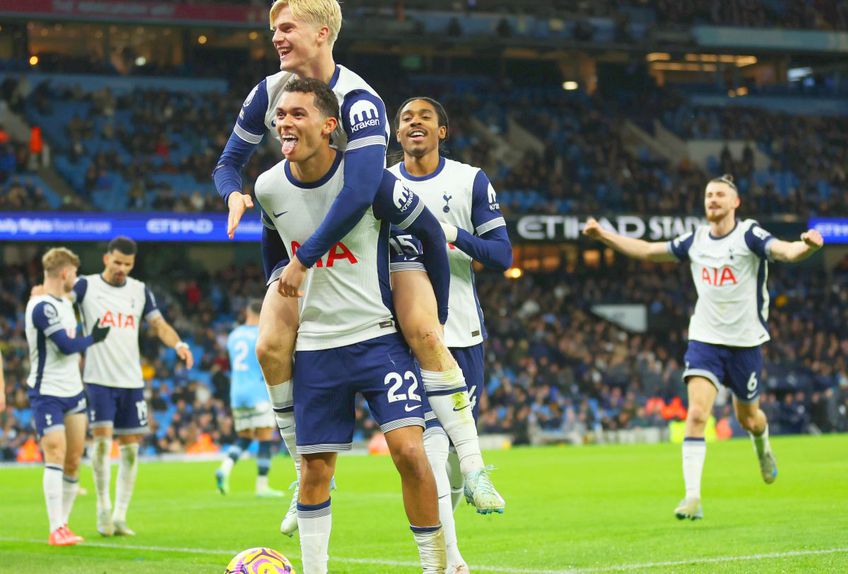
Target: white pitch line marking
483 568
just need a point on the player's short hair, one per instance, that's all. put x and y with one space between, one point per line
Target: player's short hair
726 179
318 12
440 112
57 258
255 306
325 99
122 244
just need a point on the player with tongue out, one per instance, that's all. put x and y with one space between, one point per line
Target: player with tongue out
304 34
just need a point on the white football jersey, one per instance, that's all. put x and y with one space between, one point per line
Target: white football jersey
116 362
461 195
51 371
730 275
347 297
363 113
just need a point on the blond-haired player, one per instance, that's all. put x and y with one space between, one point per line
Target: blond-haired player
304 33
729 262
55 387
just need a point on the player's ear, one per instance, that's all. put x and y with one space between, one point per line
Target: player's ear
105 259
330 125
443 133
323 34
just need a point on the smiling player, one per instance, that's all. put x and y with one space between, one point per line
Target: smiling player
729 261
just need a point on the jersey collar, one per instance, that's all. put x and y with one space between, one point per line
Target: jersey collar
318 182
335 77
439 169
728 234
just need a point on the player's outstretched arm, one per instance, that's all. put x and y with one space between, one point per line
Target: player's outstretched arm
169 337
629 246
794 251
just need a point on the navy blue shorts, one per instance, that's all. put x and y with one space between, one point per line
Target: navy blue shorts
125 410
326 382
737 368
405 252
49 412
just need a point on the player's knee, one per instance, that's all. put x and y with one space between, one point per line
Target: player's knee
698 415
315 472
273 348
410 459
426 340
71 467
748 422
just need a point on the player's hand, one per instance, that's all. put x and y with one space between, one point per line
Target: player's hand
184 353
812 238
237 203
292 278
592 228
450 231
99 333
36 291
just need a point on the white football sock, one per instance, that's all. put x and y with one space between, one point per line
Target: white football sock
431 548
457 480
70 488
127 471
282 400
102 468
436 447
314 521
52 483
761 442
448 398
261 483
694 452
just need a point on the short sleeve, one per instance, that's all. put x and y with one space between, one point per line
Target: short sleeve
151 309
757 239
250 125
485 210
679 246
46 318
364 120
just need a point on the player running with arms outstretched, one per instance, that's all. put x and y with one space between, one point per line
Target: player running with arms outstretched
55 387
304 33
729 262
465 202
347 341
252 413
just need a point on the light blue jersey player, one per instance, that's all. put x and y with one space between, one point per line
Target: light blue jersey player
55 387
253 417
465 202
347 341
729 262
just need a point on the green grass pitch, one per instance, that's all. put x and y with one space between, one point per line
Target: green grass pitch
581 510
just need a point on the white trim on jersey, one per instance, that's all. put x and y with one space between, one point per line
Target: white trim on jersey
246 135
490 225
55 328
365 142
412 216
407 266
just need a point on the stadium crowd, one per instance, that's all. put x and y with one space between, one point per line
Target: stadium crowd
584 164
555 370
